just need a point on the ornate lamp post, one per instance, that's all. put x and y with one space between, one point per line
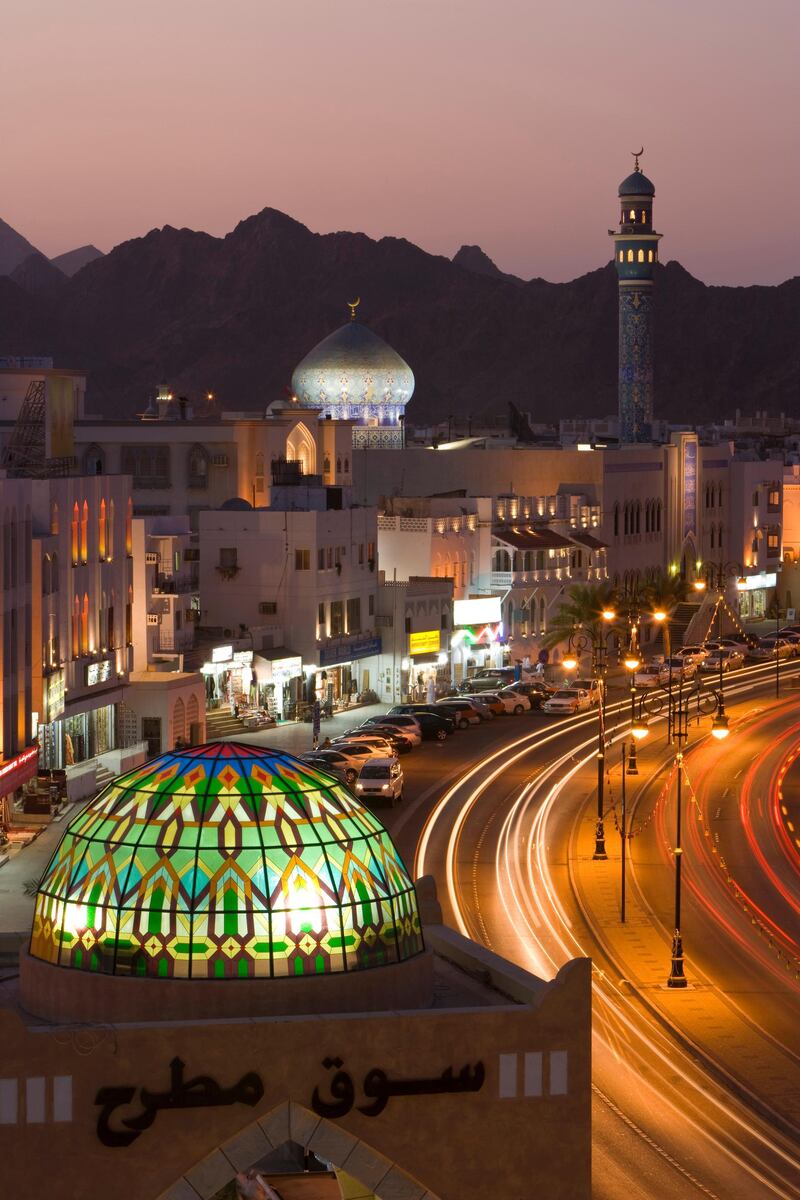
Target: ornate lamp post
680 730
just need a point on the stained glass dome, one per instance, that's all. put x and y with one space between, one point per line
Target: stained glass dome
225 861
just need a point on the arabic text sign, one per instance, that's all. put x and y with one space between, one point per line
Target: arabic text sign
480 610
428 642
378 1089
689 487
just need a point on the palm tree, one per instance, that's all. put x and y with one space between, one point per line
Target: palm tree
664 593
581 610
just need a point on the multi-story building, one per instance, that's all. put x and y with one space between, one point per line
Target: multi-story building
415 619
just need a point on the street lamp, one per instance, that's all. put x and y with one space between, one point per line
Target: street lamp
680 729
579 640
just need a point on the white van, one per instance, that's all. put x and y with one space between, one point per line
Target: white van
381 777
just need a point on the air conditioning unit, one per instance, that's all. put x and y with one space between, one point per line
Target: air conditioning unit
153 619
219 460
152 558
268 608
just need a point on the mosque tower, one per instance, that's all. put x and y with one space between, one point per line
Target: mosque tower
635 253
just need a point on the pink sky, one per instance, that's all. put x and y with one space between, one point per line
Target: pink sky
506 123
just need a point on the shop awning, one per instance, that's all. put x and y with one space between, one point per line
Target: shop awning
525 537
264 665
73 708
587 540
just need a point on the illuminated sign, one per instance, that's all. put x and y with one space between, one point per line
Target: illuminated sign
483 610
19 770
287 668
425 643
763 580
689 487
222 654
245 657
98 672
54 696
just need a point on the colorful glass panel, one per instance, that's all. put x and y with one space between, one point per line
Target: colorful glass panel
225 861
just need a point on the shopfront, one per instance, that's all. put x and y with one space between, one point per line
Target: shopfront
478 636
347 667
426 670
276 684
74 728
756 593
15 773
227 674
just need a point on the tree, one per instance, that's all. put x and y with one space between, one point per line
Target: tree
581 610
664 593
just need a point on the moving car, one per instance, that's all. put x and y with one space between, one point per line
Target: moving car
520 702
769 647
342 758
568 700
535 689
730 660
390 733
381 777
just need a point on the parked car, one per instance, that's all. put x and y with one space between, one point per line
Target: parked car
694 654
592 686
652 674
407 725
398 741
535 689
480 683
568 700
463 712
348 763
725 658
381 777
483 710
376 741
433 710
490 700
323 761
521 703
770 647
680 669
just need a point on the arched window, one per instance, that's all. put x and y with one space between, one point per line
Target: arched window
46 575
102 619
129 528
644 217
259 472
719 495
713 532
338 466
638 516
112 633
54 517
129 618
622 256
347 466
192 715
178 722
93 460
540 560
626 515
632 215
85 532
542 615
197 467
640 256
616 520
647 516
630 256
54 580
76 626
75 526
502 560
85 624
326 466
102 531
658 517
649 255
110 527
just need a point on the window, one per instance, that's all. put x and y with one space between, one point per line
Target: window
627 520
444 620
259 472
649 255
338 466
371 606
640 256
321 559
773 499
75 524
361 554
630 256
755 498
616 520
773 544
197 467
644 217
632 215
102 531
354 615
149 465
129 528
337 618
347 466
329 557
622 256
228 557
713 535
321 614
85 532
408 624
326 466
93 460
54 518
302 560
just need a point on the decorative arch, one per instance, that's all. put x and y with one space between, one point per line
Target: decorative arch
94 460
301 447
76 518
357 1160
54 523
259 472
85 624
129 528
102 530
198 461
178 722
192 714
85 531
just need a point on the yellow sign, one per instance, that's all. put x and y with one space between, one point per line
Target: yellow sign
424 643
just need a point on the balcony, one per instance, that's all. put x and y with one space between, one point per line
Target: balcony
554 575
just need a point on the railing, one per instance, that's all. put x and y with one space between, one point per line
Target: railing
507 579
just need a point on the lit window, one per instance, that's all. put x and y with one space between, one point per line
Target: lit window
630 256
632 214
641 256
622 256
649 255
644 217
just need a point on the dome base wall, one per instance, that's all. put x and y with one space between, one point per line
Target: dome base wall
61 995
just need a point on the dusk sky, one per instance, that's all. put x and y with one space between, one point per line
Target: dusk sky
506 123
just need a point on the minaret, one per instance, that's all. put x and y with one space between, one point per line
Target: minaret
635 253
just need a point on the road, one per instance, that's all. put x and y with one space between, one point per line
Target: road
506 831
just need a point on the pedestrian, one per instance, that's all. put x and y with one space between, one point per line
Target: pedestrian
431 689
517 670
315 723
326 745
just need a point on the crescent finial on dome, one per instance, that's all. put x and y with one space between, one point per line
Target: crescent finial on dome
353 305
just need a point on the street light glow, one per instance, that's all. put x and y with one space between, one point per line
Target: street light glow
609 614
631 662
741 583
569 663
699 585
639 729
659 615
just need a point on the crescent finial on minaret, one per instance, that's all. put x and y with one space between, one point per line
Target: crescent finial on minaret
353 305
637 155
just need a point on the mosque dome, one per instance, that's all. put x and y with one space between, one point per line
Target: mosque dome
354 375
637 184
225 862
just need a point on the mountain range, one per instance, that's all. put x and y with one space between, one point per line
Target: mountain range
234 315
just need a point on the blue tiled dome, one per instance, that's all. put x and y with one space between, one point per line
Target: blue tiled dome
637 184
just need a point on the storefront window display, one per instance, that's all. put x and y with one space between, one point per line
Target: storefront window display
75 738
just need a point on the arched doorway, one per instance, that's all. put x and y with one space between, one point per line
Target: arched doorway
301 447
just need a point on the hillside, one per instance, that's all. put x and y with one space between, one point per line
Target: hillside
234 315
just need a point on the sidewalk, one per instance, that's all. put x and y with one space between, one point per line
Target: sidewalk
296 737
639 953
